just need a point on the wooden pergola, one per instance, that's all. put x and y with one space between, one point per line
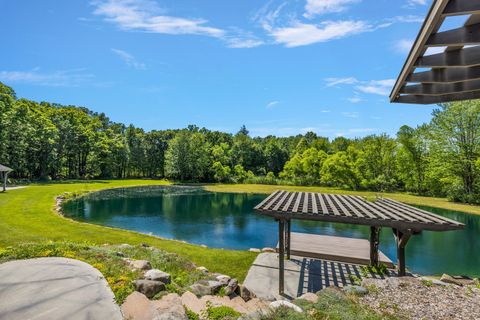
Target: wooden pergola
4 171
454 73
404 220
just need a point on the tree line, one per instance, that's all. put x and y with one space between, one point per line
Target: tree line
51 141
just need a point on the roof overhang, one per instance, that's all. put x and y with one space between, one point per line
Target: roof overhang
454 73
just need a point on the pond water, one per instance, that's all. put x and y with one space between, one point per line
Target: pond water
227 220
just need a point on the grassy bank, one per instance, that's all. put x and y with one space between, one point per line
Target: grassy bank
442 203
27 215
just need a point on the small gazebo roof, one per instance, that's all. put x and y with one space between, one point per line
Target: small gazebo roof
454 73
353 210
5 168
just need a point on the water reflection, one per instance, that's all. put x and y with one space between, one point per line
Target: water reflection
226 220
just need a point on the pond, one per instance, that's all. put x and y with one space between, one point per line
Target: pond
227 220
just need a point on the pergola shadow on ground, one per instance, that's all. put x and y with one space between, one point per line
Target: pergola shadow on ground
303 275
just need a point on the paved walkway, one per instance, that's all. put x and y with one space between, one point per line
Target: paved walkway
54 288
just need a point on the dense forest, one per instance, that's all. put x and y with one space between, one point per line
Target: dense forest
42 141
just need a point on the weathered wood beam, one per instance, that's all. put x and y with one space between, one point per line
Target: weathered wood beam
288 238
281 256
441 88
459 58
374 243
467 35
401 238
461 7
431 25
448 75
424 99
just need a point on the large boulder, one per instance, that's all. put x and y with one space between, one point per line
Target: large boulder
231 287
170 307
139 264
157 275
245 293
149 287
206 287
457 280
283 303
137 307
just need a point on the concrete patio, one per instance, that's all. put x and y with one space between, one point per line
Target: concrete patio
302 275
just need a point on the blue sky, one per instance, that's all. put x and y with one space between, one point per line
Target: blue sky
279 67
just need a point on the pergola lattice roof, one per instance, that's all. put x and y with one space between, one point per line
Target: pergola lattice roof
5 169
354 210
453 74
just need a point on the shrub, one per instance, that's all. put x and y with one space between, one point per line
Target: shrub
220 313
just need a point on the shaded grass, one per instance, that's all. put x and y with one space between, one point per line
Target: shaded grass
434 202
27 215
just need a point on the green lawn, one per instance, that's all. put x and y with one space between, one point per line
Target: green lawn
27 215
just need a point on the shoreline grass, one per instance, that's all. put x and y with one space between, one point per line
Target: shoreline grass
434 202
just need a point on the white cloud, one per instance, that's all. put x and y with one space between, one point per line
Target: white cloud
238 38
146 16
403 45
412 3
355 99
301 34
61 78
315 7
332 82
325 111
272 104
380 87
129 59
350 114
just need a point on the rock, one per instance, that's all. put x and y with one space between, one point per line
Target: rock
125 246
254 250
267 249
157 275
149 287
358 290
309 296
144 245
137 307
245 293
206 287
203 246
119 254
203 270
139 264
170 307
191 301
458 280
223 279
283 303
231 287
433 281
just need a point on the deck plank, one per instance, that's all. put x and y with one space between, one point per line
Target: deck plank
343 249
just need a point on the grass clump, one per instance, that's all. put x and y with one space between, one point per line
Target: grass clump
219 313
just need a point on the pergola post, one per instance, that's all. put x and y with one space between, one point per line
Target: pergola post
281 255
374 243
288 238
401 238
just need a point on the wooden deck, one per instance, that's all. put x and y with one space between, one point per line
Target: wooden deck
349 250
